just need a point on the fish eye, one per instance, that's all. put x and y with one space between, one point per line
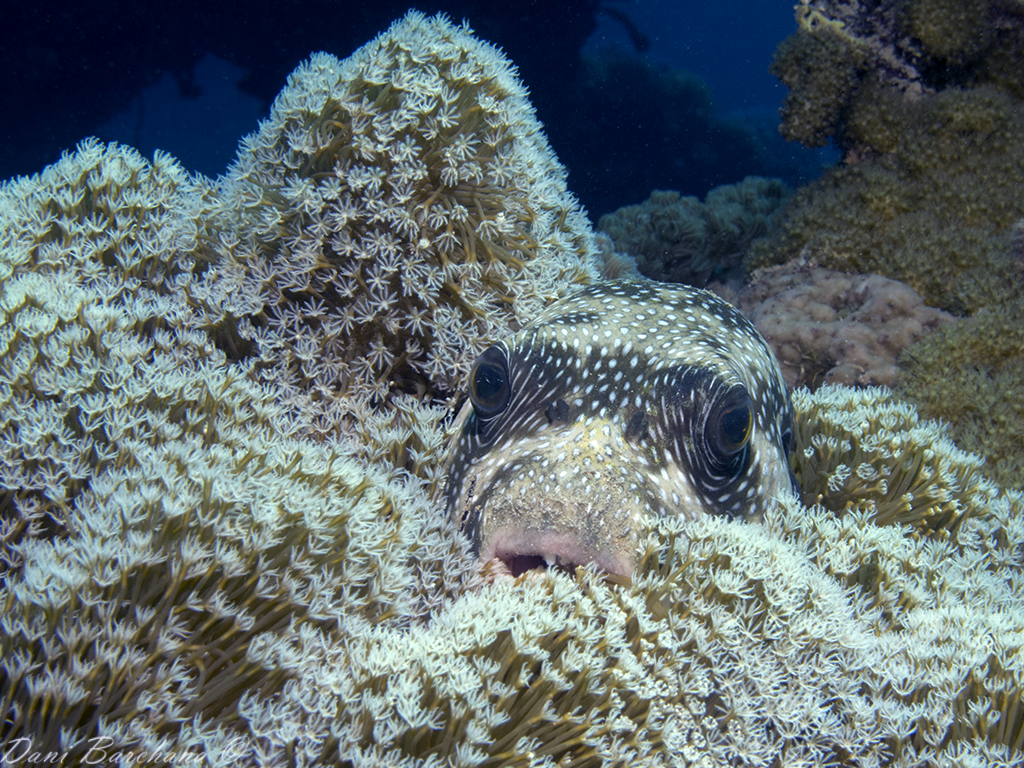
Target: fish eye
730 422
489 387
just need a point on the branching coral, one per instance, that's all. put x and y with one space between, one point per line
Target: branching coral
396 214
681 240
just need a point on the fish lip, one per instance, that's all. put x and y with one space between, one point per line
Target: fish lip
556 548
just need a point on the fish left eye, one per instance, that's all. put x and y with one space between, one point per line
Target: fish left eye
729 427
489 387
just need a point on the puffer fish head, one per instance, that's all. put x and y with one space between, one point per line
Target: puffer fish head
628 399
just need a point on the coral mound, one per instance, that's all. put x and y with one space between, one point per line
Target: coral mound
396 214
971 374
159 513
924 97
863 453
930 184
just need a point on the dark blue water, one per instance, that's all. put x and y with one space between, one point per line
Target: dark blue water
191 78
728 45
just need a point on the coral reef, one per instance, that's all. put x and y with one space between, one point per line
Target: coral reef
190 566
832 327
681 240
929 192
96 277
822 65
615 265
812 638
862 454
396 214
925 124
281 598
160 515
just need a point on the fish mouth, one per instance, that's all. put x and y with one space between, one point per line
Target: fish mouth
521 551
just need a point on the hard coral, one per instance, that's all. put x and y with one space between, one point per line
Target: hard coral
832 327
396 214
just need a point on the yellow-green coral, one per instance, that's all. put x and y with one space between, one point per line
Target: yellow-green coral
971 374
928 193
822 66
841 51
933 165
954 32
935 212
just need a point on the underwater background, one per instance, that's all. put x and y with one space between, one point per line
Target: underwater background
190 79
234 326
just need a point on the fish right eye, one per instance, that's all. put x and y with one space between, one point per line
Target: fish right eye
728 429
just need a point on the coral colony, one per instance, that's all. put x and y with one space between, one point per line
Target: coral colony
223 432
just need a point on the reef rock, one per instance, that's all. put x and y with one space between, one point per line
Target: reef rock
832 327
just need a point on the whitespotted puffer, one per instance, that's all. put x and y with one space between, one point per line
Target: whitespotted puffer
630 398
